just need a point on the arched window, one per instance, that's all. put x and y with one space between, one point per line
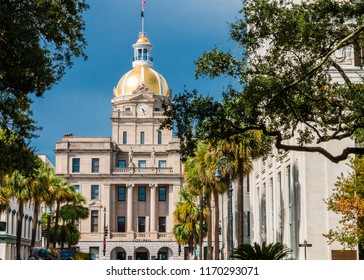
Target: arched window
145 54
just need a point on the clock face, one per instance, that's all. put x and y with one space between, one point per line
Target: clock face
142 109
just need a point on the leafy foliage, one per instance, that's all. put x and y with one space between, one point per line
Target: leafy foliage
271 251
197 118
347 200
38 41
186 228
287 87
15 154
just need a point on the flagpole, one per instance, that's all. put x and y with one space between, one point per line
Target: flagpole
143 2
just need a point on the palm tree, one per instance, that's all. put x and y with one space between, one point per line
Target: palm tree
71 213
64 193
186 229
20 188
195 186
4 199
41 192
198 173
241 150
272 251
68 233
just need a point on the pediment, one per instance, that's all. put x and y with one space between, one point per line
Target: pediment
143 97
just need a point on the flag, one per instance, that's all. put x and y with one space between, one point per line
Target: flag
143 3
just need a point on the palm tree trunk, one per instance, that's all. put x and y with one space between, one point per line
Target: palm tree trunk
19 229
201 227
240 204
209 227
34 225
48 229
228 200
194 240
191 247
217 225
56 225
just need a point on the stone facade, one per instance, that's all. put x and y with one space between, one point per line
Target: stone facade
131 180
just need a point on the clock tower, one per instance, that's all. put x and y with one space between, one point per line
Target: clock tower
137 102
131 180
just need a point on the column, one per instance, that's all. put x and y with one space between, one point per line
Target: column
129 218
153 197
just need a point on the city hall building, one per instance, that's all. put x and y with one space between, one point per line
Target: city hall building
132 179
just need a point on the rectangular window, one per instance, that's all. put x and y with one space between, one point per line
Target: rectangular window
121 163
248 184
121 224
272 206
142 193
281 207
359 56
75 165
264 211
76 188
121 193
162 164
142 164
125 137
94 220
248 223
159 137
141 224
162 224
94 192
142 137
290 206
94 252
95 165
162 193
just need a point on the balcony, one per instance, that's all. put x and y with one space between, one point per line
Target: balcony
142 170
142 236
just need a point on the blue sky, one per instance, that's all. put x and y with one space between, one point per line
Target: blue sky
180 31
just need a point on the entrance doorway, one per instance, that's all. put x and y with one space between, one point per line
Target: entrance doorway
120 256
141 255
162 256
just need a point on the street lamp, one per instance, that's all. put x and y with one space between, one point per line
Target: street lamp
50 213
218 175
106 231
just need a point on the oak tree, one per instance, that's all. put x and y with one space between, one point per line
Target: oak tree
38 41
285 64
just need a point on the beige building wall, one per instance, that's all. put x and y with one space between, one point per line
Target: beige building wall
130 180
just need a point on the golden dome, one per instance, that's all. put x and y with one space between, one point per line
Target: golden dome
141 76
142 73
142 40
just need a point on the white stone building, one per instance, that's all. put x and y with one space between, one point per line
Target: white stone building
287 193
8 235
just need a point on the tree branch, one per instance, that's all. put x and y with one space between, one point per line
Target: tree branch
326 57
279 145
